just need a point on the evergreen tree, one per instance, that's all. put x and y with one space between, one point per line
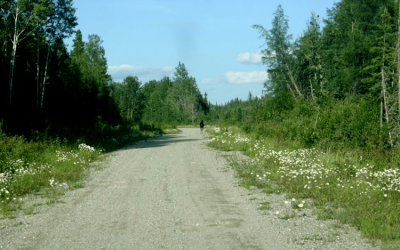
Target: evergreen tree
278 54
309 57
79 46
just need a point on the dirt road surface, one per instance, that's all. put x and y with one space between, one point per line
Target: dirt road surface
169 192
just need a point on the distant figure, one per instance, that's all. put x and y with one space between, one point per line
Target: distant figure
201 125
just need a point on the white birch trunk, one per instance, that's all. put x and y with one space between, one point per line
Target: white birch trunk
13 53
44 78
386 106
15 40
293 81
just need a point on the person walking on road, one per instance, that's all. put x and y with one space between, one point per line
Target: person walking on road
201 125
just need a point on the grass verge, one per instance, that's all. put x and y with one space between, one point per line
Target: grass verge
50 166
344 185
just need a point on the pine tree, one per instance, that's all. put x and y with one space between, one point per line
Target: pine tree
277 55
310 54
381 70
78 47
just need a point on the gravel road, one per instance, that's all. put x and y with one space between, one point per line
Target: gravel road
170 192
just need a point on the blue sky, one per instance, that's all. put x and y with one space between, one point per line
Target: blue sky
213 38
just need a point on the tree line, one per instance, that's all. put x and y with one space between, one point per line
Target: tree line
164 102
336 85
43 86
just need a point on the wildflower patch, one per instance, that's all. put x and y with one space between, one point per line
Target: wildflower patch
327 178
20 176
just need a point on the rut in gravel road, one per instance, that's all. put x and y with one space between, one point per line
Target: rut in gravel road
168 192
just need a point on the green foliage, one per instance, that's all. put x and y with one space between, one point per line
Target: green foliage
94 62
336 124
183 96
129 97
161 103
278 55
78 46
334 180
325 89
384 60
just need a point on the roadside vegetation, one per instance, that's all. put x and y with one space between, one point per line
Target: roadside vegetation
327 126
350 186
50 166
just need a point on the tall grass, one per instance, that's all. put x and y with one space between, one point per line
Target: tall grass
347 185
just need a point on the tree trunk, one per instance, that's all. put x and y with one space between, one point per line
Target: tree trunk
132 112
37 73
312 90
380 122
44 77
293 81
386 106
4 55
12 63
321 78
14 51
192 115
384 90
288 85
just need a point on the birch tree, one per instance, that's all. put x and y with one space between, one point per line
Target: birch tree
22 18
131 97
60 23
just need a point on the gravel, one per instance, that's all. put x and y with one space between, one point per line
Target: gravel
172 192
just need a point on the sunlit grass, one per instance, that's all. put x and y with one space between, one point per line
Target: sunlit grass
347 186
59 167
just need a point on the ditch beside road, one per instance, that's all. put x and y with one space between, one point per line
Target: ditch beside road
172 192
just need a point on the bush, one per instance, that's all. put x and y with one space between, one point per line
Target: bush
332 124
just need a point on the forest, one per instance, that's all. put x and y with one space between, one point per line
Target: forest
340 77
45 87
336 87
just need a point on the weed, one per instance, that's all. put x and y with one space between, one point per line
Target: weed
17 224
50 202
29 210
288 215
265 206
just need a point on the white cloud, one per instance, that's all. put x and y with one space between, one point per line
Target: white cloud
246 77
249 58
145 74
211 80
238 78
